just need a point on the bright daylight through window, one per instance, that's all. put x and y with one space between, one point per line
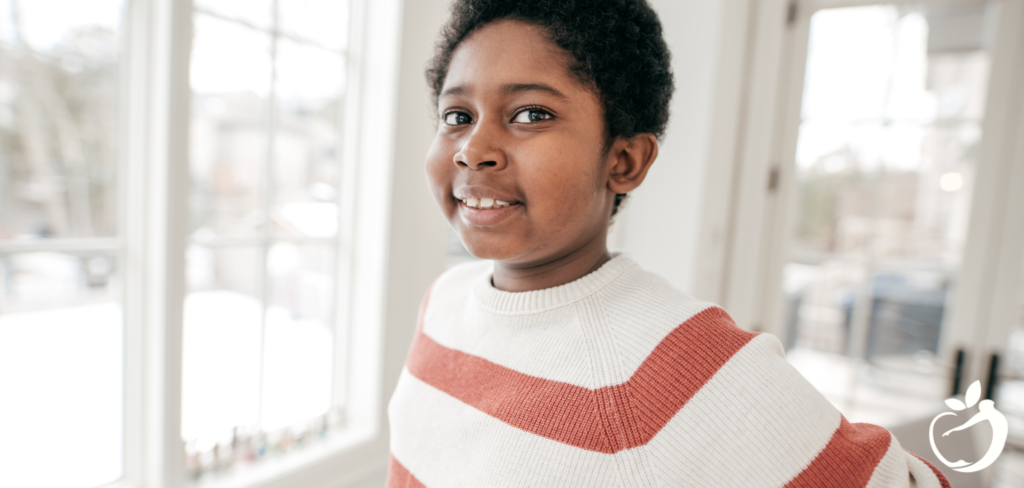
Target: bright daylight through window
263 338
61 327
260 314
889 135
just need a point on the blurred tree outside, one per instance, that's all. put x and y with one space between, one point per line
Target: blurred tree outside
58 136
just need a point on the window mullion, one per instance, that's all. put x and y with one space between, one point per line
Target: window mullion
131 221
348 149
112 244
266 206
155 224
273 31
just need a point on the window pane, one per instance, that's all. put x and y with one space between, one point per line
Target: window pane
298 361
886 151
58 118
321 21
256 12
61 370
221 350
229 366
230 85
259 315
306 166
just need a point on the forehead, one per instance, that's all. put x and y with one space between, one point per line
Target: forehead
508 52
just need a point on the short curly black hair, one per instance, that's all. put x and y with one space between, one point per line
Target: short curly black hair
616 47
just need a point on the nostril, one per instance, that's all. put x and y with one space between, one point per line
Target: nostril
489 163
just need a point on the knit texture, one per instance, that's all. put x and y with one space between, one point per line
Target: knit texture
616 379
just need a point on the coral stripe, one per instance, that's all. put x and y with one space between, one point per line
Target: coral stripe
938 474
848 460
608 419
399 477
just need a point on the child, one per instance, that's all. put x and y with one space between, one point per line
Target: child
561 364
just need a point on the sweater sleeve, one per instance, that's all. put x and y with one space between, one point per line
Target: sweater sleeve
758 422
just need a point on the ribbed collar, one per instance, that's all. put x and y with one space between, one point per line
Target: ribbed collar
539 300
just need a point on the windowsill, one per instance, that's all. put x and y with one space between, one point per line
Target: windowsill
280 467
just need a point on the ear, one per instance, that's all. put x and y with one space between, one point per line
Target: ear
631 158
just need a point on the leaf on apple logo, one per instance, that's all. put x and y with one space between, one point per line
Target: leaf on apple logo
973 393
955 404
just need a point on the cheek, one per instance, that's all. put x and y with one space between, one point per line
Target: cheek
440 171
566 187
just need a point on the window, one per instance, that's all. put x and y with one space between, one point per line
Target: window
260 321
177 252
61 257
890 131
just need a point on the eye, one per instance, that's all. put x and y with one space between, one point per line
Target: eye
457 118
531 115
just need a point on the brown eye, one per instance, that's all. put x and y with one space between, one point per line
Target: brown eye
457 118
531 116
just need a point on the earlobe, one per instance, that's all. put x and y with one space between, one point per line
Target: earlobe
633 157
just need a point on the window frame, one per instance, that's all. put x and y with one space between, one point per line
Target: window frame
153 180
263 239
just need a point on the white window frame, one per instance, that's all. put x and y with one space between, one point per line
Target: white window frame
379 309
753 189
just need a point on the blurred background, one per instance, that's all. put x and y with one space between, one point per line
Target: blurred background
215 232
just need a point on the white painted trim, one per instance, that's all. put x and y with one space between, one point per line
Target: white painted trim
153 183
751 200
132 222
990 270
348 185
374 164
717 205
165 227
744 263
793 61
110 244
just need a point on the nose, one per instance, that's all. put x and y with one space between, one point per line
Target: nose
481 149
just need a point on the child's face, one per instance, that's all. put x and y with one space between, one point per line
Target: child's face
517 127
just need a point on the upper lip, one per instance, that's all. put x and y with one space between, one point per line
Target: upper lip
479 192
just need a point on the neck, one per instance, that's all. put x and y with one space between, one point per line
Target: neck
552 272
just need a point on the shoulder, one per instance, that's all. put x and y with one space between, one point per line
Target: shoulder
462 276
455 285
641 305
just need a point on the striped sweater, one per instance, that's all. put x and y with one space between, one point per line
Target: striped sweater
616 379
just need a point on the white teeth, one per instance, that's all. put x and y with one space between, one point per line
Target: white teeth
485 203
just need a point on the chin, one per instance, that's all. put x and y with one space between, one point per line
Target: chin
492 247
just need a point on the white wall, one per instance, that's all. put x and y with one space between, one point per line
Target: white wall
660 225
418 232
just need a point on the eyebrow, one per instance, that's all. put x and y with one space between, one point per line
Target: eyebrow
517 88
510 89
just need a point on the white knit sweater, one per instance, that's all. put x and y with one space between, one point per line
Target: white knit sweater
616 379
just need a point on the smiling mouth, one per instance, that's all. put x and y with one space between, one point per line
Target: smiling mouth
485 203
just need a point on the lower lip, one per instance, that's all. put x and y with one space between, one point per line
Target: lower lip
489 216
